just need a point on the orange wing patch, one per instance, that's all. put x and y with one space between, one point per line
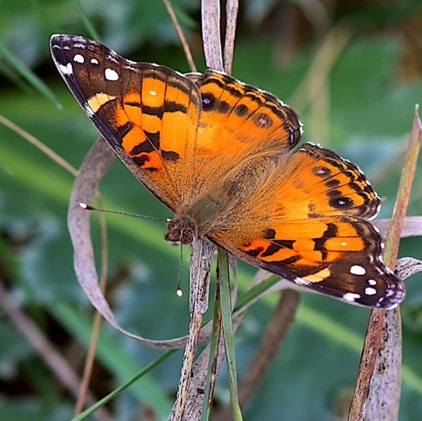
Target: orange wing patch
242 119
317 183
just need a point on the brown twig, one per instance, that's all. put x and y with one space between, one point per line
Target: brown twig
201 259
39 145
180 34
58 364
379 327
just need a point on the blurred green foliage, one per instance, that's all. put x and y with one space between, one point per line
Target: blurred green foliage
364 111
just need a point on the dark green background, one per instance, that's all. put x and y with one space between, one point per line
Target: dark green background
366 116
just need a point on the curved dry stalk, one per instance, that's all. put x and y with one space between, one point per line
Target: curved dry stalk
93 169
382 348
90 356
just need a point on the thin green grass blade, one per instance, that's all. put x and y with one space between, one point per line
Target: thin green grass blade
86 20
226 312
123 387
28 74
211 375
113 357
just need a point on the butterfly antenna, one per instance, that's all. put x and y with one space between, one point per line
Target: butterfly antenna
179 289
134 215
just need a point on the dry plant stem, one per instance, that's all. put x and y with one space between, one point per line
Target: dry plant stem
201 259
232 8
385 387
272 339
408 266
199 374
181 35
405 188
95 165
90 357
59 366
367 366
376 351
211 34
39 145
202 251
412 226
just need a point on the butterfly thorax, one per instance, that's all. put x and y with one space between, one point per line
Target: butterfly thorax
215 208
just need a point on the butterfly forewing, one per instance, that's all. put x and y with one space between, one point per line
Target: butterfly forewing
136 107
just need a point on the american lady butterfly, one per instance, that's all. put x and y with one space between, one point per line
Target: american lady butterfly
220 154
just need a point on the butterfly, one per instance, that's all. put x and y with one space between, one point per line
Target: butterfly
223 156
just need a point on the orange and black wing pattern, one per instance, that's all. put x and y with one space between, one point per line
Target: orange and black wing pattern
220 154
147 113
310 225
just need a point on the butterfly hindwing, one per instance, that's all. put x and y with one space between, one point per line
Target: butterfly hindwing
310 226
339 257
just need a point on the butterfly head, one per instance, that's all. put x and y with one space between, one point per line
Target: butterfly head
181 230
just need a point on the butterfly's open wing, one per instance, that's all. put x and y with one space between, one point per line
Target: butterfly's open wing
309 226
147 113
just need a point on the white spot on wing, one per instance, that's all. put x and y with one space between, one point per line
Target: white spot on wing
372 282
79 58
66 69
111 74
351 297
357 270
153 93
94 61
370 291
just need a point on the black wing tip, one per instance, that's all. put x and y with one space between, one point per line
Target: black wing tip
58 40
391 298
